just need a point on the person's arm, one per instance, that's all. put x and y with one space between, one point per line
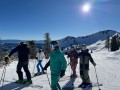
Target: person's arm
77 55
37 56
43 55
13 51
91 59
63 62
8 57
47 65
63 66
68 55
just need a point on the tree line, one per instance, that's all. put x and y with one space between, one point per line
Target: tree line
113 43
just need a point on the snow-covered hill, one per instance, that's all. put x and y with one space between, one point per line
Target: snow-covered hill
108 65
88 40
69 40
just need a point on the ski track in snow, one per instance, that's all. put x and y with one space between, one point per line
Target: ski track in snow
108 65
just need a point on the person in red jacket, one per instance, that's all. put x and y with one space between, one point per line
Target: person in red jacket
73 62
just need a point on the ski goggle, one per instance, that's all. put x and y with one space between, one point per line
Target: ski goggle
84 47
52 46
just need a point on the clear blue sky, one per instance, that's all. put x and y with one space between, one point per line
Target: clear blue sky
31 19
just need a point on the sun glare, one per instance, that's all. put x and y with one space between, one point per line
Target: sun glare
86 7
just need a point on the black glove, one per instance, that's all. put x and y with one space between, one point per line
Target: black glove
6 59
62 73
37 58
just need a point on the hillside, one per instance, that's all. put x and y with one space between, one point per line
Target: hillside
88 40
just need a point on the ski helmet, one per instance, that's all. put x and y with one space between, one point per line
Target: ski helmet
84 47
55 44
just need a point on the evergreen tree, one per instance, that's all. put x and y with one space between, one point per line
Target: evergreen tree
32 47
107 43
47 45
114 44
119 41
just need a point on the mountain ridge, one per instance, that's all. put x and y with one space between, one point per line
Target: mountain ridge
70 40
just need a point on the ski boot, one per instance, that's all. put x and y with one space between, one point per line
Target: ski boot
89 84
81 85
19 81
27 82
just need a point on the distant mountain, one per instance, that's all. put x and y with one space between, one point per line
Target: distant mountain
18 41
88 40
70 40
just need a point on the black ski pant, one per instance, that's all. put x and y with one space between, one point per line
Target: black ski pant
23 65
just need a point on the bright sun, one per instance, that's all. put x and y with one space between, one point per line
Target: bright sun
86 7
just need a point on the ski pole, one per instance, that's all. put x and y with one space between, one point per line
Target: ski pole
48 79
47 75
3 77
71 72
34 68
97 78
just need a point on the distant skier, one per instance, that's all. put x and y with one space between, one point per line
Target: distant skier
73 62
85 57
57 64
40 56
23 55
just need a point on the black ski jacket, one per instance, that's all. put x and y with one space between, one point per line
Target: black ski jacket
23 52
85 57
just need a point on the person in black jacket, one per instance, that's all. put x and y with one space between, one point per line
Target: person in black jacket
23 56
85 57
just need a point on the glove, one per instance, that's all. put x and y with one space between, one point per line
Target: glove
94 64
45 68
6 59
62 73
36 58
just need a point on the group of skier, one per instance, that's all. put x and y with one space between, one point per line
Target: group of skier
57 63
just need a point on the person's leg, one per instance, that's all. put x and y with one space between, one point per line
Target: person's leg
41 65
54 82
19 72
38 69
58 86
71 71
74 70
82 77
28 74
86 77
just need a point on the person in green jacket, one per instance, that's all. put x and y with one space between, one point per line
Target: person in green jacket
57 64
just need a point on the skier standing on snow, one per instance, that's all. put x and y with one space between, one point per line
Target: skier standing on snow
23 56
40 56
57 64
85 57
73 62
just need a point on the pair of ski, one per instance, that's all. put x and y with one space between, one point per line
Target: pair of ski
24 85
70 85
80 88
38 74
